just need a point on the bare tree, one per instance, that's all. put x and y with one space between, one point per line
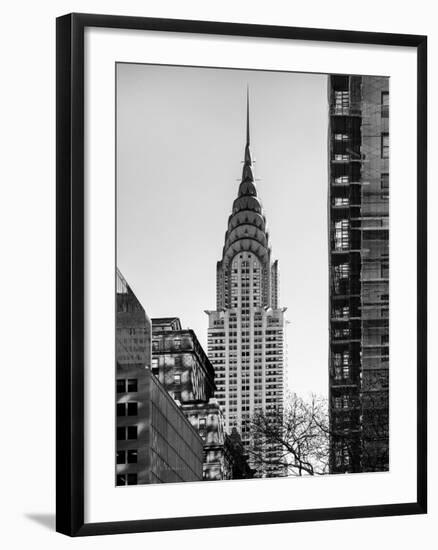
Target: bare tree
299 438
299 435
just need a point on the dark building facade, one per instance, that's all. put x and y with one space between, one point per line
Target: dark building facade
359 273
239 458
154 441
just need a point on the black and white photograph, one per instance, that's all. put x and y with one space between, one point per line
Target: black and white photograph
252 277
217 251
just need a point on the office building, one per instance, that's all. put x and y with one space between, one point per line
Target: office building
154 441
246 331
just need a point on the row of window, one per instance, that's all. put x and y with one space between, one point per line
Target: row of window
218 349
343 402
134 331
125 433
127 457
342 103
384 149
127 409
132 340
126 479
127 385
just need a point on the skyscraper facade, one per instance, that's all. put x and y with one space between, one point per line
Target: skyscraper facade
246 331
359 272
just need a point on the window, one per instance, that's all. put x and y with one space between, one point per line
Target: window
177 395
132 385
346 370
177 378
341 201
132 408
339 312
132 456
341 180
120 409
342 102
385 105
121 385
342 235
203 427
132 432
385 270
126 479
342 271
338 402
384 182
126 432
385 145
177 343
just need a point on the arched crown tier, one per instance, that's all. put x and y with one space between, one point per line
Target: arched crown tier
247 202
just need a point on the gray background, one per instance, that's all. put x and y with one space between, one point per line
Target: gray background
180 143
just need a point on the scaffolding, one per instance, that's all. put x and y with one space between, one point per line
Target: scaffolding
359 273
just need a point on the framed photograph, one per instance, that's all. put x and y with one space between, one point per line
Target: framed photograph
241 274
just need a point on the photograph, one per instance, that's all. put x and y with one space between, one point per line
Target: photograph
252 274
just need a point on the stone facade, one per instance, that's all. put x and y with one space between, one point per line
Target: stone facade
181 365
207 419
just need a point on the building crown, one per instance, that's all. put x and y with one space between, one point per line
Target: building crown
247 231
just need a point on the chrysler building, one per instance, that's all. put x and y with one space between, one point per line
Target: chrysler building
246 331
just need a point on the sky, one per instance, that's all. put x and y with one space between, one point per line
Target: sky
180 144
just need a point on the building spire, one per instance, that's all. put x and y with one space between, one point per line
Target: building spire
247 161
247 116
247 186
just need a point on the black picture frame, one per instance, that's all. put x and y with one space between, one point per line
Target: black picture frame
70 273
